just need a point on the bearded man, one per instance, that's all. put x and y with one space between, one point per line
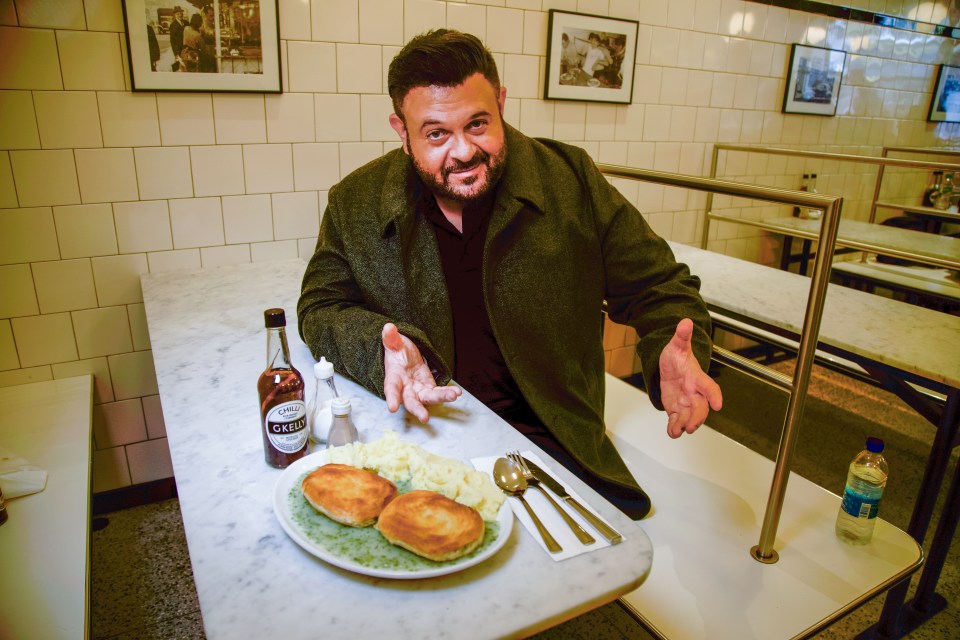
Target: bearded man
479 255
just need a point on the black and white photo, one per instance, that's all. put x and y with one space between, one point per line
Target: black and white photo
945 102
813 80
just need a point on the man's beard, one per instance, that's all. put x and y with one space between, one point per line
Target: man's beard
476 187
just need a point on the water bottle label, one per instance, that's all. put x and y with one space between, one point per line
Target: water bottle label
860 506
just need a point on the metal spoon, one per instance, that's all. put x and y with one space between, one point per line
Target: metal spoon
509 478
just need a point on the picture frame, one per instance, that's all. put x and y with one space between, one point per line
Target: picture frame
945 101
246 60
608 46
814 76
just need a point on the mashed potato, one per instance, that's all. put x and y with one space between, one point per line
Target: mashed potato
401 461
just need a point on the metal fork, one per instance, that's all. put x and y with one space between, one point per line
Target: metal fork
533 481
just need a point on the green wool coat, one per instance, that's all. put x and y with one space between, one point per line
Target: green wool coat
561 242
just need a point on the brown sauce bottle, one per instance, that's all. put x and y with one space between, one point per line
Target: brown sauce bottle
283 412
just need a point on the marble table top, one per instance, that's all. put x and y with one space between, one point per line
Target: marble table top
206 328
910 338
943 251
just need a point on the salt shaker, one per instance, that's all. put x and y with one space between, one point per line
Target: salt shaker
342 430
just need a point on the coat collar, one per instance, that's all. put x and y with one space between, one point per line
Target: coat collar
521 183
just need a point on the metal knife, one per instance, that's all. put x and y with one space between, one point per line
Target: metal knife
608 532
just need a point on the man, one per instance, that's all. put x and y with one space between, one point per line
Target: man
477 254
176 37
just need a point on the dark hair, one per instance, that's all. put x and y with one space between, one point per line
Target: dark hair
196 21
441 57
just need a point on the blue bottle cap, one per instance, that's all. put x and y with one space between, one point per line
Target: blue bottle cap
874 445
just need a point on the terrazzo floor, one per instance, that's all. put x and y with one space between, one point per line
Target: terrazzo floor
142 583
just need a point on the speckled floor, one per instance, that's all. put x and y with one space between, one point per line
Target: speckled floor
142 583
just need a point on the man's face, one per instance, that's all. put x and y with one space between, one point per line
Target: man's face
455 137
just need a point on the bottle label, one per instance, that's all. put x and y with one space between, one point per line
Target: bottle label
286 426
860 506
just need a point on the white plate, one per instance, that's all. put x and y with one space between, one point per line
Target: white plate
340 545
593 82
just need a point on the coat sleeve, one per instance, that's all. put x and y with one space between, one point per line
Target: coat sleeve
341 321
647 288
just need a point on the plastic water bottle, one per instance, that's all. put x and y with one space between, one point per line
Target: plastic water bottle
866 480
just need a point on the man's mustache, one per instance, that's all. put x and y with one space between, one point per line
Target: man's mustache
479 158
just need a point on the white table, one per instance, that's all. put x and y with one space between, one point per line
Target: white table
44 546
897 344
709 495
206 328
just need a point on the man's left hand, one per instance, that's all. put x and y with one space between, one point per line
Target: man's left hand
686 391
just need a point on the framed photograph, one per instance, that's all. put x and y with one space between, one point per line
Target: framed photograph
203 45
813 80
590 58
945 104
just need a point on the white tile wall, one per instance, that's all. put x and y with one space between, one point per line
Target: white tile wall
99 184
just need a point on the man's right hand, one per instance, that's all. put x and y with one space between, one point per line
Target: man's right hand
407 378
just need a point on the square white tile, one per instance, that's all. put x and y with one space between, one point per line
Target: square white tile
469 18
110 470
337 117
129 119
536 118
106 175
217 170
239 118
268 167
295 215
247 219
133 374
355 155
85 230
27 235
422 15
335 20
139 331
316 166
102 332
290 118
294 20
38 64
312 66
44 339
504 30
163 172
97 367
64 285
142 226
18 126
277 250
63 14
117 278
153 415
149 461
521 76
381 22
375 113
230 254
19 293
119 423
196 222
103 15
8 192
186 119
176 260
68 119
358 68
91 60
45 177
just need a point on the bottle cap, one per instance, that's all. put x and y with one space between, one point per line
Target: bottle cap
340 406
323 369
273 318
874 445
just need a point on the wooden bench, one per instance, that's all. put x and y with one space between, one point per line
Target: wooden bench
45 544
709 494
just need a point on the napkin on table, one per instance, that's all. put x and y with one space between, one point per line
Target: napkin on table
547 514
18 477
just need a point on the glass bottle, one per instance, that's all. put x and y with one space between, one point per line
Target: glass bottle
319 416
342 430
803 187
942 200
283 414
866 479
931 193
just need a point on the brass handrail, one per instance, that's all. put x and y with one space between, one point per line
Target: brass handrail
806 351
